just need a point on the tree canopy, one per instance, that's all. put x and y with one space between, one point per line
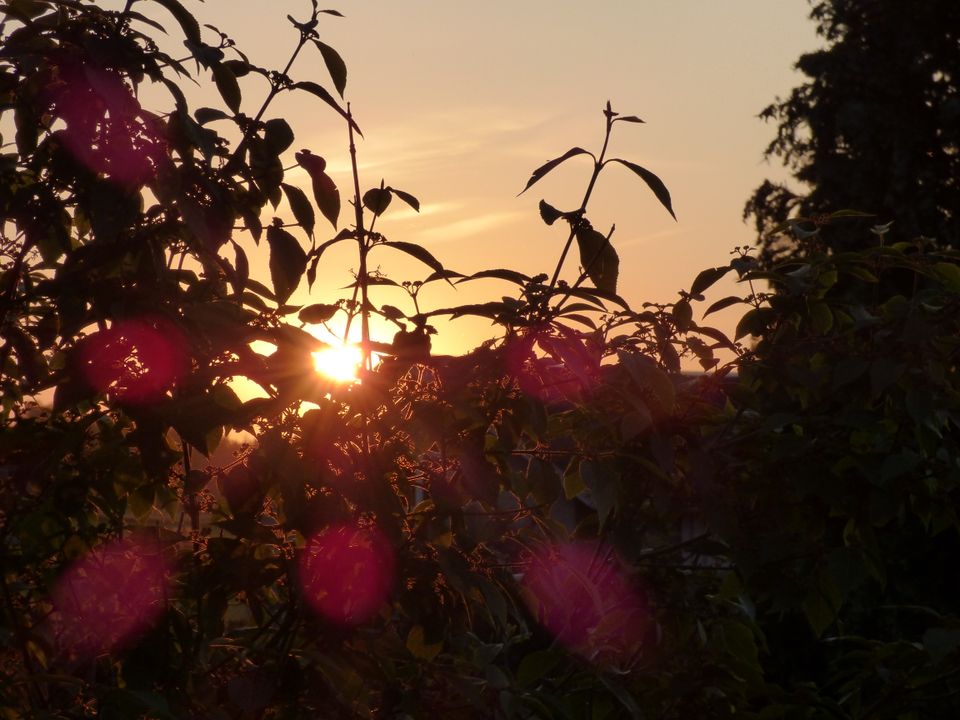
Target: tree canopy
873 127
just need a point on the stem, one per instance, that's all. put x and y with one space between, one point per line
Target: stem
363 248
597 167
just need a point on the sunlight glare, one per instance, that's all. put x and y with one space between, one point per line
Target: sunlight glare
338 362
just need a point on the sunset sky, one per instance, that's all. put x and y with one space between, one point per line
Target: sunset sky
459 102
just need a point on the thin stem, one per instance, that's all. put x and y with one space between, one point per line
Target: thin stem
597 167
363 248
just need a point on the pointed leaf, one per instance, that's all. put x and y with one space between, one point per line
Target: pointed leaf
420 253
301 207
598 258
335 66
226 83
724 303
406 197
707 278
188 23
287 262
320 92
630 119
654 183
324 189
547 167
501 274
206 114
242 268
549 213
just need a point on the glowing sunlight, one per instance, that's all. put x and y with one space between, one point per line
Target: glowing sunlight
338 362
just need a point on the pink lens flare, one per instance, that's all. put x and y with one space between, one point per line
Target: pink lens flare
112 596
106 129
134 360
584 600
347 573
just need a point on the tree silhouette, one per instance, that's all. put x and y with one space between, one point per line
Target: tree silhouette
875 127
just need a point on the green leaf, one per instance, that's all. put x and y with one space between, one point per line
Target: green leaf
948 274
377 200
320 92
420 253
324 189
277 135
707 278
537 665
549 213
301 207
188 23
649 378
598 258
406 197
547 167
227 84
317 313
287 262
335 66
653 182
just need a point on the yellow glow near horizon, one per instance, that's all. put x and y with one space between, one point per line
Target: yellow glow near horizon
338 362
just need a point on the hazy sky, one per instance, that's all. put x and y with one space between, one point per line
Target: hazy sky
460 101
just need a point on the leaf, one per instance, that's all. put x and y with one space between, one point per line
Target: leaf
649 379
629 119
206 114
287 262
335 13
406 197
301 207
324 189
320 92
849 214
653 182
682 315
377 200
537 665
317 313
227 84
335 65
242 268
603 483
549 213
188 23
547 167
500 274
724 303
277 135
598 258
419 648
420 253
707 278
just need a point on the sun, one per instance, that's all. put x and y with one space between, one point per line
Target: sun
338 362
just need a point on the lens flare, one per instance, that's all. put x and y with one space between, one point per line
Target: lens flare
110 597
586 602
338 362
347 572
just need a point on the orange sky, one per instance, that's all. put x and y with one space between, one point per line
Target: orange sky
459 102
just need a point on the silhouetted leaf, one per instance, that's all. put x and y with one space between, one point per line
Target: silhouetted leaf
707 278
324 190
336 13
317 313
549 213
406 197
377 200
629 119
227 85
287 262
723 303
188 23
655 183
301 207
513 276
598 258
277 135
206 114
242 267
547 167
335 65
420 253
320 92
